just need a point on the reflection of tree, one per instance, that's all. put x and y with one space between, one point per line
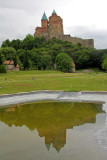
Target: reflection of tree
51 119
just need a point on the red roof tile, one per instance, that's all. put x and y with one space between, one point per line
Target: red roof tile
73 64
17 66
8 62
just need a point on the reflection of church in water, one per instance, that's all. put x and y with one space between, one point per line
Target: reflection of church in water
51 119
54 136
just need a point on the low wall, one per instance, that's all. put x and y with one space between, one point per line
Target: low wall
75 40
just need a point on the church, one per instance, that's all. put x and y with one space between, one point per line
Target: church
53 27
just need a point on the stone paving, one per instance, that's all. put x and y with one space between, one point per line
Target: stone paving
54 96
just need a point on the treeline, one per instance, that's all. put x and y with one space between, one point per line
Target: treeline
39 53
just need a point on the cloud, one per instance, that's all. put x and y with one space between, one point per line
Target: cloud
15 23
82 18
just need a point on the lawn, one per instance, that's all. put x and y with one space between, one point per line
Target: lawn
26 81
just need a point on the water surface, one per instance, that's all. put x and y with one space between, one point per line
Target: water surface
51 130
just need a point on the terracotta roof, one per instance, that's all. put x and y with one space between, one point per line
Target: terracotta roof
8 62
17 66
73 64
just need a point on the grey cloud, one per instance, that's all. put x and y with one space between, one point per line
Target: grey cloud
33 6
20 17
15 24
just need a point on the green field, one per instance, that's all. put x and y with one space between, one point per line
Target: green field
22 81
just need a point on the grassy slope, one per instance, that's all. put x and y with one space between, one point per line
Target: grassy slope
14 82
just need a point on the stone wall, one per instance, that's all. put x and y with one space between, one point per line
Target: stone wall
75 40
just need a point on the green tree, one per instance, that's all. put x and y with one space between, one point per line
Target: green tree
16 44
46 61
27 61
82 58
9 53
21 55
6 43
27 43
1 57
104 64
36 58
63 62
2 68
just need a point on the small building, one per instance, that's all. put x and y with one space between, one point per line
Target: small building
10 66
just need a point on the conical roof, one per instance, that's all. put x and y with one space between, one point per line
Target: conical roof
48 146
54 12
58 150
44 17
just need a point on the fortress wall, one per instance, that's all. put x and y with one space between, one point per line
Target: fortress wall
40 30
75 40
54 28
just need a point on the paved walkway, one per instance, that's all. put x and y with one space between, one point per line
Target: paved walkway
53 95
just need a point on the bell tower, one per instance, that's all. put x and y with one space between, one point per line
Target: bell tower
44 22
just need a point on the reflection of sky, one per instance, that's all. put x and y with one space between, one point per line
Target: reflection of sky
101 134
51 119
21 143
75 143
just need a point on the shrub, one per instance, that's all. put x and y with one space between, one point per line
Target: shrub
63 62
104 64
2 69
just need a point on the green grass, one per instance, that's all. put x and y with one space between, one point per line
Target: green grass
14 82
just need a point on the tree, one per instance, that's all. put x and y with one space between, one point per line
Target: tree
27 43
35 57
104 64
26 63
21 55
16 44
6 43
1 57
9 53
46 61
63 62
82 58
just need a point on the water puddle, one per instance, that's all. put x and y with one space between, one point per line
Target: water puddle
53 130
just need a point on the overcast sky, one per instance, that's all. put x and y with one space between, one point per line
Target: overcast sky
81 18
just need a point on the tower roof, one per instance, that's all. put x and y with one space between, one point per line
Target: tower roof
54 12
48 146
44 17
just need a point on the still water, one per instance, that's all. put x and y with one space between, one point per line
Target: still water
52 131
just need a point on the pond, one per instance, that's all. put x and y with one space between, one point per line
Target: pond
49 130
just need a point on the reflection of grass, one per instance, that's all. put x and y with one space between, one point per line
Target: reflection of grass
46 114
14 82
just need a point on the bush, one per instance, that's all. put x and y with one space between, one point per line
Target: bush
2 69
46 61
104 64
63 62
